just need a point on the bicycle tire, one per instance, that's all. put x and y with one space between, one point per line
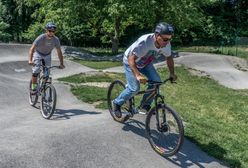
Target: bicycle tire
114 90
169 143
47 112
33 98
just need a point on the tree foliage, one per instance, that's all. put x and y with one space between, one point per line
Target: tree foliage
3 25
116 22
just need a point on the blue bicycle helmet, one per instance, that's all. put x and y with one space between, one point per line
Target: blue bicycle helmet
164 28
50 25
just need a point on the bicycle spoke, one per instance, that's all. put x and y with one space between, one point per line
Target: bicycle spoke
165 134
48 102
114 91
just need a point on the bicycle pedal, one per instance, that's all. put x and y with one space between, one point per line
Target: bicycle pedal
34 92
129 114
143 113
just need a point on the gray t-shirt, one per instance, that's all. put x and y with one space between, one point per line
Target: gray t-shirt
45 45
146 51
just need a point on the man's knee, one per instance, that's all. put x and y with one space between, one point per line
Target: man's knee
135 89
35 74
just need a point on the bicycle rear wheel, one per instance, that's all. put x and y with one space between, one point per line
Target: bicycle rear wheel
114 91
33 98
48 101
165 130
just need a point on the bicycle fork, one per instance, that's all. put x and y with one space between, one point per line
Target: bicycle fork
162 125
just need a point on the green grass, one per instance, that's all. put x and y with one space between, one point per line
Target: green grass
99 77
216 117
90 94
98 64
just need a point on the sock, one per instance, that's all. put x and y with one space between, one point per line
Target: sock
33 86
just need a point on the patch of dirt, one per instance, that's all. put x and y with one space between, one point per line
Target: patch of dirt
239 63
96 84
198 73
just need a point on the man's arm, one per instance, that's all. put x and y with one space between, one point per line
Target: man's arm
132 64
30 55
59 52
170 64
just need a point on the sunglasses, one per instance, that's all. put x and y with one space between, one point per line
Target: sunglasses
52 31
165 39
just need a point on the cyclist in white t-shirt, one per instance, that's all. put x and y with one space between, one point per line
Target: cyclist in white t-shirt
138 59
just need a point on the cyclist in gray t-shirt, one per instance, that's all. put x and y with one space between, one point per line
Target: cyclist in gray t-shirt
137 62
41 50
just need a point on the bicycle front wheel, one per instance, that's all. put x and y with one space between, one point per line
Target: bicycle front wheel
33 97
48 101
114 91
165 130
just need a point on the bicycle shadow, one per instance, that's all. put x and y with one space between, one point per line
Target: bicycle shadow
62 114
189 155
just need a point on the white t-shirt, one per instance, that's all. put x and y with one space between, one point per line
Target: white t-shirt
145 50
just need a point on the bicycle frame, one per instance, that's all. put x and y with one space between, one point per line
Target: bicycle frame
154 94
44 78
158 99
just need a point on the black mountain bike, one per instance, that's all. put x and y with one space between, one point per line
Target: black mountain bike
164 126
46 91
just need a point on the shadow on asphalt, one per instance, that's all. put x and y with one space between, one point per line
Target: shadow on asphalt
187 156
61 114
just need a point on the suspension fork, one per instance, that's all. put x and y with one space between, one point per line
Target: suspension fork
49 81
159 102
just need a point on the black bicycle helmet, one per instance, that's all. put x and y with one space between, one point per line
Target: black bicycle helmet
164 28
50 25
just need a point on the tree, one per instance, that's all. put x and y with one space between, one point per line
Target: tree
3 25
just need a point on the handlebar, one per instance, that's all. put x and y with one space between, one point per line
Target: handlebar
52 67
43 66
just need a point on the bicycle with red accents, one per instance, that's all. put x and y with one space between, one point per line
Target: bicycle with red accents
164 126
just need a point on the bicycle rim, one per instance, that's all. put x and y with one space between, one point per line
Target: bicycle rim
114 91
167 138
48 101
33 98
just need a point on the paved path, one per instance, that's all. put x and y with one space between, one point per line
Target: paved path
78 135
218 67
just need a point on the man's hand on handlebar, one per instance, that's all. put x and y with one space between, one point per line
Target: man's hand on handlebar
141 79
30 62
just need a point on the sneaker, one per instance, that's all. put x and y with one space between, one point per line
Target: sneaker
117 110
145 109
33 89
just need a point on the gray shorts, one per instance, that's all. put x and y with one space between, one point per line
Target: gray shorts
37 61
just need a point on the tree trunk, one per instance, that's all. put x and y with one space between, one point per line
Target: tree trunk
115 44
115 38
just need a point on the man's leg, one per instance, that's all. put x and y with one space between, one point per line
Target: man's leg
35 73
132 88
150 72
48 61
